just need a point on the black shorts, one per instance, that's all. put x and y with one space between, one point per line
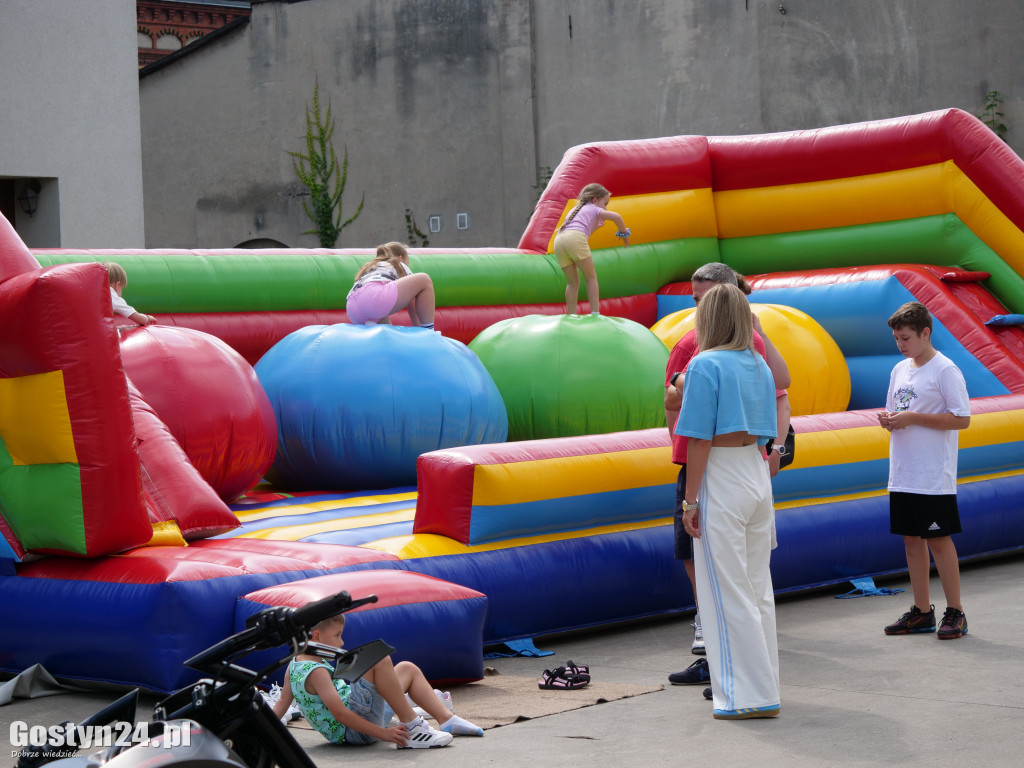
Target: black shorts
683 540
918 514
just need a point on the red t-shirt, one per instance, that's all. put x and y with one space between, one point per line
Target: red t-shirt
682 353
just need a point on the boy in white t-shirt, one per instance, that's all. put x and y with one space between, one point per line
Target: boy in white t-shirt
118 280
926 405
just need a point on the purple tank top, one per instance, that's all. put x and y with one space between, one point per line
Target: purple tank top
586 220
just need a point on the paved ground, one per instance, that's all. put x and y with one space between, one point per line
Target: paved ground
850 695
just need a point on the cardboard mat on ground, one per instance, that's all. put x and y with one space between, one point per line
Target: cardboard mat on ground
505 699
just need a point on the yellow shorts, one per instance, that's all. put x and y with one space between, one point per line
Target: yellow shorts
571 245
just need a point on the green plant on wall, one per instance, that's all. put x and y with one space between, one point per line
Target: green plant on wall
413 232
318 169
544 174
992 116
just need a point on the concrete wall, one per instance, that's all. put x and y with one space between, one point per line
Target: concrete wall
69 116
739 67
450 106
431 99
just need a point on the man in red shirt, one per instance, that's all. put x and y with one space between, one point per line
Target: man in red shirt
685 350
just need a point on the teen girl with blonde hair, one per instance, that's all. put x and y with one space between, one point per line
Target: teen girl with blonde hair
728 412
572 247
385 285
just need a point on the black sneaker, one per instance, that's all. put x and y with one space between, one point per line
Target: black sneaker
954 624
695 674
912 622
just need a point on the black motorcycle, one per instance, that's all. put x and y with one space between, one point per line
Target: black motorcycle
222 720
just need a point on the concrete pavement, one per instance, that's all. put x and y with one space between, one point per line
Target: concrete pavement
850 695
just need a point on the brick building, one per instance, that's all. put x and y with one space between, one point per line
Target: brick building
165 26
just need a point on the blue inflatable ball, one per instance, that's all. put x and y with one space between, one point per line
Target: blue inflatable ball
566 375
356 405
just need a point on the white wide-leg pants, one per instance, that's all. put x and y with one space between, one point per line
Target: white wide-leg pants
734 583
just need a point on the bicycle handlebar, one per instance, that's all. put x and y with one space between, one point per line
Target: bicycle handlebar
273 627
308 616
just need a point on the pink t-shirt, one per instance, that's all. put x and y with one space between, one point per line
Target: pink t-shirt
586 219
682 353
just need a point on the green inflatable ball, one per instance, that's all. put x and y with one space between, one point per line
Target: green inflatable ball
568 375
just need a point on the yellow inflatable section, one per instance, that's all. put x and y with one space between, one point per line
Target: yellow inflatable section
817 367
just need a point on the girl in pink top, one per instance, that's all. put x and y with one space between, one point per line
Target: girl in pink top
385 285
572 248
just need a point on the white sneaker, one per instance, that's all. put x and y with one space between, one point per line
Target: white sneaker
422 736
698 637
446 699
415 710
274 696
418 711
443 696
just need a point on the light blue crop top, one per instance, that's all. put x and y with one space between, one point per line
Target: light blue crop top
728 391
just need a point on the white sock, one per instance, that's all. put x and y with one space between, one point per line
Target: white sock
428 326
456 726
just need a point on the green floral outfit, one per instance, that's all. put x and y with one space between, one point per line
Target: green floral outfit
311 705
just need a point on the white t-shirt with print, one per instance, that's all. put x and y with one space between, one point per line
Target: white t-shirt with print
921 459
121 307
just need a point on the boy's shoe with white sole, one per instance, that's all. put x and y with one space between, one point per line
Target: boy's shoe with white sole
443 696
446 698
272 698
698 637
419 735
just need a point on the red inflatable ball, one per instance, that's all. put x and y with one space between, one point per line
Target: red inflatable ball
210 400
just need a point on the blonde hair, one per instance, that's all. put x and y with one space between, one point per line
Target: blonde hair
323 625
115 273
588 194
723 319
391 253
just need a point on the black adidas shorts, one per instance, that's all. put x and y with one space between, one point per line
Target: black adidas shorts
917 514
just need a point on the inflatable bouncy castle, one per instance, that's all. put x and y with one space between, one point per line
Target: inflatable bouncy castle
511 476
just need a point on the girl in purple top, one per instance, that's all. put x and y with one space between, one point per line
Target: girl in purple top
572 248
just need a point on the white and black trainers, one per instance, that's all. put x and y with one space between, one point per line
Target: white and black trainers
422 736
272 698
446 698
698 637
443 696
